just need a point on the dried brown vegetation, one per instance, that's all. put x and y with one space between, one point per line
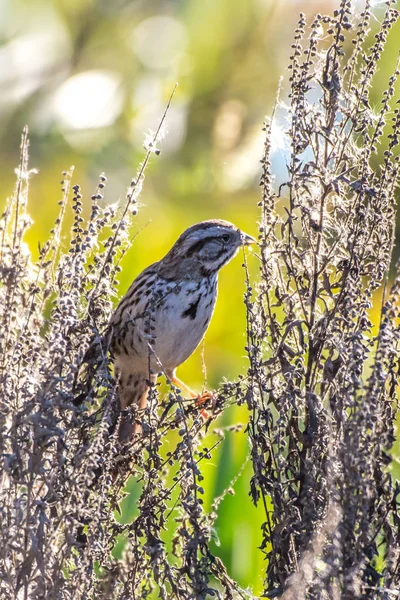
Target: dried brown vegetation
321 386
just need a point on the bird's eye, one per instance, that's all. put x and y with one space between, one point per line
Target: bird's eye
225 237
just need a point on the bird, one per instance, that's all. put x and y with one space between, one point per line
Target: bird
166 311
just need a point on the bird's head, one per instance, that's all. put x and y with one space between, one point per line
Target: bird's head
209 244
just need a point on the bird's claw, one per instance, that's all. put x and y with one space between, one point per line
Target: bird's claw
205 398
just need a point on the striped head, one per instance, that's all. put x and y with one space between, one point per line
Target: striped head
209 245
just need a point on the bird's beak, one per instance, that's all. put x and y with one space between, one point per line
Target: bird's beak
247 240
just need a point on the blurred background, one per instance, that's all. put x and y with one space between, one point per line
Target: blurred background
91 79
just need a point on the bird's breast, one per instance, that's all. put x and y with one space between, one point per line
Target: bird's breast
183 320
165 325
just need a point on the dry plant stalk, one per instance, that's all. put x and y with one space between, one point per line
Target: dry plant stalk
62 468
321 386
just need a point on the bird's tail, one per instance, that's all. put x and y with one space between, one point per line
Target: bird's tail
133 392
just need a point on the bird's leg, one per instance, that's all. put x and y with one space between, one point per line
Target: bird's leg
200 398
182 386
